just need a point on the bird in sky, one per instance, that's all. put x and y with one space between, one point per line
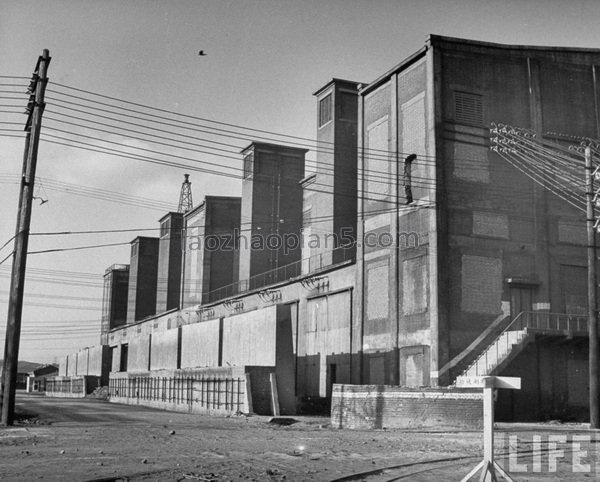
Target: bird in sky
201 52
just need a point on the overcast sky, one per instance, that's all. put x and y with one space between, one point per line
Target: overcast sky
264 60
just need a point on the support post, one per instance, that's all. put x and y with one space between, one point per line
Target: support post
592 302
15 302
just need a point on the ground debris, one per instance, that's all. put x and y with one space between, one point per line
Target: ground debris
283 420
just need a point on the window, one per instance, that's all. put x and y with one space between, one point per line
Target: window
248 165
165 226
325 108
134 250
468 108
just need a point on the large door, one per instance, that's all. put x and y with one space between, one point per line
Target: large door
521 299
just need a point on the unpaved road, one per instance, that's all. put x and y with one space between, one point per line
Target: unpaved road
87 439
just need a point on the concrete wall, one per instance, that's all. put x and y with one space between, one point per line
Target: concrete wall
250 338
200 344
165 350
139 354
379 406
263 334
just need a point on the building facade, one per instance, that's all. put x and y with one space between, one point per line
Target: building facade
463 262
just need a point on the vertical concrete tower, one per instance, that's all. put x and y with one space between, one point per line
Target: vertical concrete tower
114 300
143 269
271 212
169 262
329 212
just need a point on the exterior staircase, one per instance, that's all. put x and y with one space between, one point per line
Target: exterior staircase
517 335
503 348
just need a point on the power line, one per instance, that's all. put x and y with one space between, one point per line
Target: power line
56 250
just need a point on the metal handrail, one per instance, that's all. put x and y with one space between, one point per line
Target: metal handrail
535 320
282 273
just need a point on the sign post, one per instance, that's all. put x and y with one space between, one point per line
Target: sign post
488 465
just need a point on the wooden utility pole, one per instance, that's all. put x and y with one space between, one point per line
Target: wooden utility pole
592 302
36 105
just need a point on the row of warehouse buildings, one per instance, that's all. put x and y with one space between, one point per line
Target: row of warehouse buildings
410 252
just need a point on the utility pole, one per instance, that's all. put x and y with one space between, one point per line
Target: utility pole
33 126
592 290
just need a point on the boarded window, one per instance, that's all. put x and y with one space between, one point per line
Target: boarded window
413 125
317 315
378 291
573 281
490 224
414 293
471 162
377 161
572 233
325 109
468 108
481 284
414 366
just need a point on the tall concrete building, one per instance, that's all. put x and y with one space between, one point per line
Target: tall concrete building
476 242
114 299
271 212
329 208
143 272
169 262
211 256
468 261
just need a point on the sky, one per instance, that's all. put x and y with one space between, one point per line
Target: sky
265 58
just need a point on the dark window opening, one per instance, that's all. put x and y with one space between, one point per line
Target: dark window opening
123 361
325 110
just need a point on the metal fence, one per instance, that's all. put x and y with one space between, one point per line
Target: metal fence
67 385
216 393
287 272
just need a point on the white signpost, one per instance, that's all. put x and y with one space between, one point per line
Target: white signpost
488 466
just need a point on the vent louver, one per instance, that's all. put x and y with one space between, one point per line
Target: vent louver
468 108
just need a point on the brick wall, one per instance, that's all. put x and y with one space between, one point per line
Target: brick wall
379 406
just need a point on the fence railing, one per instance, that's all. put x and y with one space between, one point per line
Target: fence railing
69 385
217 393
283 273
548 321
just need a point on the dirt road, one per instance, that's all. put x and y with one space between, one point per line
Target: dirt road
93 440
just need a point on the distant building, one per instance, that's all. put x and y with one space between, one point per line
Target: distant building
36 379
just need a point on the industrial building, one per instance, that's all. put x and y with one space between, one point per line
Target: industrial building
445 259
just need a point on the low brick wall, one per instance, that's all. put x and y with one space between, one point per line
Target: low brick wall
379 406
71 387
